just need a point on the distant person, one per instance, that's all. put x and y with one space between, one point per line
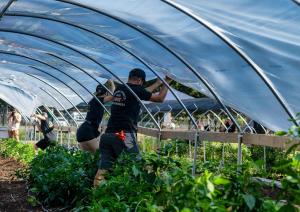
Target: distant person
230 126
121 132
168 121
88 133
46 127
258 129
14 121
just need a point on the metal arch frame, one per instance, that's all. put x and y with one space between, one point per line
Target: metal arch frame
103 36
241 53
74 81
38 69
88 57
29 58
296 2
55 99
31 75
207 85
179 57
57 121
51 113
9 3
44 63
239 115
79 68
39 61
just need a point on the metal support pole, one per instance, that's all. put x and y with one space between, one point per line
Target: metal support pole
265 158
69 136
195 153
240 141
204 150
158 141
190 148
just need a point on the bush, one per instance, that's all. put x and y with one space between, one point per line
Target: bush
62 176
18 150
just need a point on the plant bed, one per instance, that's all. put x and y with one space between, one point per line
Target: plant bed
13 191
61 177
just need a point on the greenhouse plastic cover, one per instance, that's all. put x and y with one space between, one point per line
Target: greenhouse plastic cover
245 53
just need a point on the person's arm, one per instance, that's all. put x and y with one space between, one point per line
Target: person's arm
18 117
154 86
112 86
40 117
160 97
108 98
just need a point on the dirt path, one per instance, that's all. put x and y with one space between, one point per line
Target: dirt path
13 194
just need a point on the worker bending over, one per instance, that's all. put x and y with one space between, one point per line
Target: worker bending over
46 127
88 133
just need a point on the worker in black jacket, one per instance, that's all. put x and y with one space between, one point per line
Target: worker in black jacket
121 132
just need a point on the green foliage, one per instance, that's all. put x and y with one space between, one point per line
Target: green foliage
160 183
291 169
18 150
189 91
62 176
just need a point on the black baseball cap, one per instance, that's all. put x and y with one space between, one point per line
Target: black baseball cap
100 89
139 73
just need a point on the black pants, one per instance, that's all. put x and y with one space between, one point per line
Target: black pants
48 140
86 132
111 146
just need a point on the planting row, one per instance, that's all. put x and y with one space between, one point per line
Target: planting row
63 177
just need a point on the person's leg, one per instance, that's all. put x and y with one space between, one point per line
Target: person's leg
106 158
13 134
10 134
131 143
90 146
16 134
43 143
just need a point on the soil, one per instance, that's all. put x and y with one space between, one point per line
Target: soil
13 192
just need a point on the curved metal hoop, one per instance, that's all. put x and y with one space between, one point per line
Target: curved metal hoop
258 70
103 36
91 59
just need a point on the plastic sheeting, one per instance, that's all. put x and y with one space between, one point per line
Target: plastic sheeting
267 31
199 105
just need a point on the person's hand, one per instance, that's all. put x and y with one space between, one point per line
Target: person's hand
158 82
168 79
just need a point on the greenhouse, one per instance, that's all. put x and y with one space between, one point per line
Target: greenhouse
225 136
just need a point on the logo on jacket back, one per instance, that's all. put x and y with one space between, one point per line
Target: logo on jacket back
119 98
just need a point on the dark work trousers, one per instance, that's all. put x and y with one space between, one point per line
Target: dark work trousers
49 139
111 146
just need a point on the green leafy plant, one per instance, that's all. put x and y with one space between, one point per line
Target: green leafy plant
18 150
61 176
